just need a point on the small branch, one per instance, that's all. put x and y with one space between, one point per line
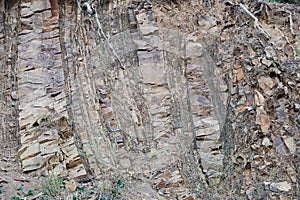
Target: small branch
291 22
260 9
285 37
256 26
104 37
91 10
78 4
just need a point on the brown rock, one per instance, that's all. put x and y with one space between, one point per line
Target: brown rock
266 83
71 185
262 119
238 75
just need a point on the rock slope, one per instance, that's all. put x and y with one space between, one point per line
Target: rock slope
183 99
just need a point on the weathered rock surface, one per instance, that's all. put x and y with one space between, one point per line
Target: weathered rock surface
185 98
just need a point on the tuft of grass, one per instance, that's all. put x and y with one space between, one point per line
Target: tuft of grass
20 162
111 189
54 185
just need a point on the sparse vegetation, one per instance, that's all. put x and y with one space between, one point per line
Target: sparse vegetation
54 185
45 120
21 194
108 188
76 197
30 192
111 188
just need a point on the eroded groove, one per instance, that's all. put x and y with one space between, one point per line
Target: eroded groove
8 57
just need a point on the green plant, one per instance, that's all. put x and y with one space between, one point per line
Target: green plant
15 197
111 188
30 192
45 118
76 197
21 194
42 198
120 183
89 191
80 188
20 162
28 133
44 121
45 192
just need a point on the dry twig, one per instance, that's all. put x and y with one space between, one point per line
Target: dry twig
291 22
102 35
284 36
91 10
256 25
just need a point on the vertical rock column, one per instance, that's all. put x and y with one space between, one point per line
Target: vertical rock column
154 75
122 104
204 108
41 93
182 122
2 76
195 107
153 79
8 56
77 160
84 73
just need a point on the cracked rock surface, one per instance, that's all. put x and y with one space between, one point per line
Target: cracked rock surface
149 99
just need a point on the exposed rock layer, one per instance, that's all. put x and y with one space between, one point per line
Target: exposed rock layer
187 98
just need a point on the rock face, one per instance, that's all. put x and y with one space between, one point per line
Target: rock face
186 97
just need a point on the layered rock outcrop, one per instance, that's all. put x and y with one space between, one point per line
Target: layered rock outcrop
186 99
